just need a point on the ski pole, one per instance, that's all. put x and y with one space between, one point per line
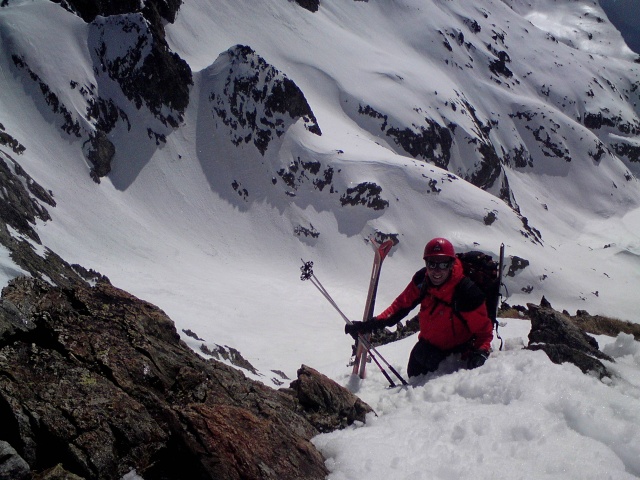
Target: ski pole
307 274
500 267
365 343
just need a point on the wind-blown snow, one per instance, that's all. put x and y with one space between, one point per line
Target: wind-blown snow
166 226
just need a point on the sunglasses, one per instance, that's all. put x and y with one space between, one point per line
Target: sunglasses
438 265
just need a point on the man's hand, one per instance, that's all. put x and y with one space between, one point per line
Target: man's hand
476 359
356 328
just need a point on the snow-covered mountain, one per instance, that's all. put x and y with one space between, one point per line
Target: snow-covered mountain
197 173
195 153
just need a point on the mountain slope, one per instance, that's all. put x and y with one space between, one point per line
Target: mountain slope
304 132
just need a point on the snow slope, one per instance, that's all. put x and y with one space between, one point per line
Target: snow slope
518 417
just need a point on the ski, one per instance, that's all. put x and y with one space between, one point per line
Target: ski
307 274
381 251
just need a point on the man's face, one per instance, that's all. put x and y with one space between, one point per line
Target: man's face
438 269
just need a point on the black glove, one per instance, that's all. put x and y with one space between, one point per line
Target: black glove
356 328
476 359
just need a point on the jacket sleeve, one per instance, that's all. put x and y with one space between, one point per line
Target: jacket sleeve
480 326
405 302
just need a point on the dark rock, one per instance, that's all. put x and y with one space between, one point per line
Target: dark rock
18 207
230 354
9 141
100 155
254 100
21 206
490 218
490 167
628 150
148 73
311 5
99 381
302 231
88 10
545 303
499 65
190 333
367 194
516 265
65 119
327 405
299 172
431 141
12 465
555 334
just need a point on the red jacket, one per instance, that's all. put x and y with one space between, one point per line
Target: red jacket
439 325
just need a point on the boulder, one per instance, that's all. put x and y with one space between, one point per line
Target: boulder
555 334
327 405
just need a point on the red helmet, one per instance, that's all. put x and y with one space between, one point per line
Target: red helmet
439 247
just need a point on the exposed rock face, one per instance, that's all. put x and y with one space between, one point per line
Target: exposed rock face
23 203
99 381
367 194
129 52
327 405
135 55
100 155
254 100
431 142
555 334
311 5
19 206
12 465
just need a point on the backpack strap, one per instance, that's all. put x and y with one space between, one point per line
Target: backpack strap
467 296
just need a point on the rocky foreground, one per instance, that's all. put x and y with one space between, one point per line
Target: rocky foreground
95 383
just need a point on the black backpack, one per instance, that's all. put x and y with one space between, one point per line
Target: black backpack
486 273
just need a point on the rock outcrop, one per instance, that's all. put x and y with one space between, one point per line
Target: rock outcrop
563 341
23 203
254 102
326 404
97 382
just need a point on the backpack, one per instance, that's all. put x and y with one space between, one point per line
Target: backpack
485 272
